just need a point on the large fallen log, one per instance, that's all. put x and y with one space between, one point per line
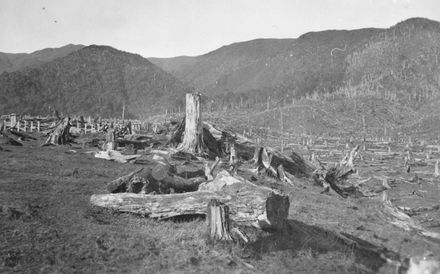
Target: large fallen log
249 204
247 150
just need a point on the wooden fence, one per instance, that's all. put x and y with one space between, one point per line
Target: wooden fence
39 123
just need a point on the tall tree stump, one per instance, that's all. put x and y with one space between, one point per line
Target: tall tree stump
192 140
110 140
218 221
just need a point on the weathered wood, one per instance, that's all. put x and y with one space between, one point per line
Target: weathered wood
22 136
197 139
218 221
423 266
333 177
177 135
7 138
114 155
60 135
138 144
110 142
233 160
400 219
436 171
137 184
192 139
269 160
249 204
120 184
168 181
210 169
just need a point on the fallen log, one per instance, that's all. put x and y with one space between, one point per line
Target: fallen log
114 155
169 181
21 135
141 144
249 204
6 140
400 219
121 184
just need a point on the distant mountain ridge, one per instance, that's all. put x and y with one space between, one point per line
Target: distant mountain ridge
14 61
94 80
314 62
270 63
400 63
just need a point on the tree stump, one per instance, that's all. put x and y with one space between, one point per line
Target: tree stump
60 135
110 142
192 139
218 221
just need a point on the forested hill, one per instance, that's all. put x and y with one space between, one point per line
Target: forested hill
15 61
95 80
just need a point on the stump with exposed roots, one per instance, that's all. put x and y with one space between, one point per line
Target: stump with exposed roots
196 139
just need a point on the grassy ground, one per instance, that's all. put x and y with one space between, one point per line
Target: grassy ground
48 226
55 230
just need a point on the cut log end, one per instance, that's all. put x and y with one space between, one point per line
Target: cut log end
277 211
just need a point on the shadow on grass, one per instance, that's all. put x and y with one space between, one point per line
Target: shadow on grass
299 236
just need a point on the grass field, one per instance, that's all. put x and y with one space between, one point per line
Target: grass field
47 224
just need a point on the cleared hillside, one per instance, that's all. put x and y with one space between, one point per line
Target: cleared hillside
400 62
312 61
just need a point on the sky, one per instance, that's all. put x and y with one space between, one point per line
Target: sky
167 28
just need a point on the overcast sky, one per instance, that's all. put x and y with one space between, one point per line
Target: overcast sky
165 28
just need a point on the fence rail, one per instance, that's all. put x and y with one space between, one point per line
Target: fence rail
39 123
